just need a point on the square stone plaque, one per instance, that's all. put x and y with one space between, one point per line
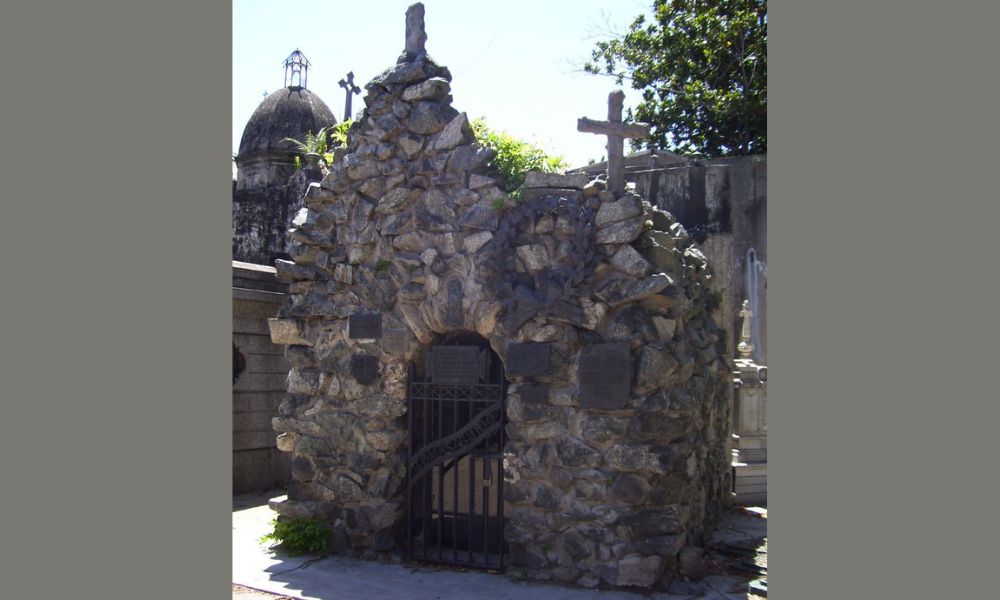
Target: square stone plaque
396 341
364 368
365 326
605 376
535 394
457 365
529 360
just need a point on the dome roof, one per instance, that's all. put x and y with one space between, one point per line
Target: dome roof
289 112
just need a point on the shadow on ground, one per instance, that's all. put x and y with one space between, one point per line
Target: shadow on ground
341 578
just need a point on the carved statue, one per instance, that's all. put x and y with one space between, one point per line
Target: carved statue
745 347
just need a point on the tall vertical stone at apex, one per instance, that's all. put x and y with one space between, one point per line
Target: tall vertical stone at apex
415 34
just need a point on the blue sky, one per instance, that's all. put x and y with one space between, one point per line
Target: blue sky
517 63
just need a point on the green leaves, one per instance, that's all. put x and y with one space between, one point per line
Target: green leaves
323 142
314 143
338 133
514 157
702 68
300 536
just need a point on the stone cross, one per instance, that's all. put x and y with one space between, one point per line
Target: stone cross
415 34
348 85
616 132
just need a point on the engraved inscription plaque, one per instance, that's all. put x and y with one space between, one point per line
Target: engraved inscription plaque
396 341
364 368
538 394
528 360
605 376
460 365
366 326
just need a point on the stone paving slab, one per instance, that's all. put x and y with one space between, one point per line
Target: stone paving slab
341 578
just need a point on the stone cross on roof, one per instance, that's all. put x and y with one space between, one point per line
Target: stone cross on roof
616 132
351 89
415 34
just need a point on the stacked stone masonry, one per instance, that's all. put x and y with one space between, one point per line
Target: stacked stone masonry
600 489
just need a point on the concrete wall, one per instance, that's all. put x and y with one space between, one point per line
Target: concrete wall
257 463
262 216
260 222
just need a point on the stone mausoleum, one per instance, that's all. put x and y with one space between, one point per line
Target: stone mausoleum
267 191
535 386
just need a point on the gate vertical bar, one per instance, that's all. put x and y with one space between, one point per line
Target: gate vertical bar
439 406
425 490
454 487
486 498
471 470
409 459
500 455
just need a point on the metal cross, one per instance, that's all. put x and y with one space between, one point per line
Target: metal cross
351 89
265 93
616 132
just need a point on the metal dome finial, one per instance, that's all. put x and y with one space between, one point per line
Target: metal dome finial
296 70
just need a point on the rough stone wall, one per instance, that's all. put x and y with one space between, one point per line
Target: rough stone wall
723 204
599 487
260 385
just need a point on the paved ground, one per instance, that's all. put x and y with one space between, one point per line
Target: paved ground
739 553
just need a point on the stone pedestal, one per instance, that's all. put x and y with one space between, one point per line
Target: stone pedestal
750 453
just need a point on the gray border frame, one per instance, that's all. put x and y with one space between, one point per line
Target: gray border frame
115 233
117 298
882 124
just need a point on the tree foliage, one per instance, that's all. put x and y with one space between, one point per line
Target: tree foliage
702 68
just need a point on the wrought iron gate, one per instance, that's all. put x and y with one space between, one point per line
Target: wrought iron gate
454 470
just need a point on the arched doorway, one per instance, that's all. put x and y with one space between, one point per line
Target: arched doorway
454 464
